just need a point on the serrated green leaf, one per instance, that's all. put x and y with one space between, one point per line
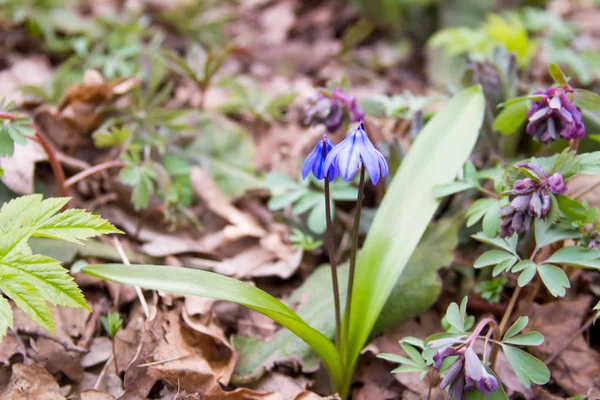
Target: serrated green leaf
50 279
576 256
527 368
515 328
566 164
492 257
27 298
576 211
526 339
555 279
511 117
6 317
74 225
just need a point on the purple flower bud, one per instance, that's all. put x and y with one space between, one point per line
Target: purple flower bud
476 375
315 161
524 186
535 205
554 116
330 109
453 373
520 203
556 184
353 150
440 355
534 170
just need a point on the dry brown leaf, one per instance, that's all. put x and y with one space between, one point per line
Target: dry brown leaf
285 385
192 356
29 382
20 168
100 351
10 346
577 368
249 394
52 356
28 71
96 395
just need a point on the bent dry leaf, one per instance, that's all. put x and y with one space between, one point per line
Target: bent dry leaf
208 284
435 158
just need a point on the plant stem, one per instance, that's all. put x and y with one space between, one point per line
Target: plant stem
332 259
92 170
504 322
353 251
574 145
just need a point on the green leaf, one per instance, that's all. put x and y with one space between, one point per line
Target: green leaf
6 317
529 270
414 354
111 323
547 233
503 266
479 209
515 328
453 317
52 281
26 297
451 188
511 117
74 225
589 103
401 220
281 201
555 279
527 368
567 164
398 359
316 219
558 75
526 339
508 244
208 284
492 257
576 211
576 256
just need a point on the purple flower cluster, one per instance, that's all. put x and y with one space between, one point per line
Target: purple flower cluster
467 372
326 160
330 108
529 198
553 115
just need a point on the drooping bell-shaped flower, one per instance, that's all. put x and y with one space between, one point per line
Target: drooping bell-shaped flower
555 116
330 108
315 161
530 198
355 149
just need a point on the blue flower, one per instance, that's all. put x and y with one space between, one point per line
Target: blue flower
353 150
316 159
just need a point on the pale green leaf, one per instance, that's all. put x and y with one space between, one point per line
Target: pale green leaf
527 368
208 284
6 317
511 117
27 298
401 219
414 354
576 256
73 225
547 233
508 244
526 339
452 188
504 266
515 328
527 275
407 368
397 359
558 75
555 279
492 257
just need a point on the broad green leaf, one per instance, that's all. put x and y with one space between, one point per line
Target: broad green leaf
515 328
576 256
6 316
527 368
492 257
547 233
526 339
49 278
74 225
208 284
401 220
27 298
315 304
555 279
508 244
558 75
511 117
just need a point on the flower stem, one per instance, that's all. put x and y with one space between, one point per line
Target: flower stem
353 251
332 261
504 322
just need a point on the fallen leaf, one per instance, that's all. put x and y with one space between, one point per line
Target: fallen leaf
52 356
285 385
28 71
29 382
577 367
100 351
95 395
10 347
377 382
19 169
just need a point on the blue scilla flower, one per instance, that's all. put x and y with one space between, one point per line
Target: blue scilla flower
316 159
353 150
